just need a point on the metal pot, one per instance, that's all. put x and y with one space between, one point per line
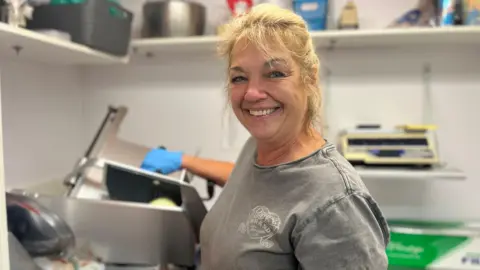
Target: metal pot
173 18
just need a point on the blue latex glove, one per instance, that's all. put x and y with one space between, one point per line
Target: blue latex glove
162 161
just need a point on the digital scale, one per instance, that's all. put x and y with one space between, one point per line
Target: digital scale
411 146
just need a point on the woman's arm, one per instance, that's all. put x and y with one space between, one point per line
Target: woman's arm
217 171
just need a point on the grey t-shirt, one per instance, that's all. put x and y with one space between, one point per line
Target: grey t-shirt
313 213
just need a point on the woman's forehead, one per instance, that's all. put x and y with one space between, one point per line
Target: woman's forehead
249 53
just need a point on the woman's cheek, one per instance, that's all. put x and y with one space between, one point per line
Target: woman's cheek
236 94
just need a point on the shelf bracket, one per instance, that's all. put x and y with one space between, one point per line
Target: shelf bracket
428 118
331 46
427 94
148 54
17 49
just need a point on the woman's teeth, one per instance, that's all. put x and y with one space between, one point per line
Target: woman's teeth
262 112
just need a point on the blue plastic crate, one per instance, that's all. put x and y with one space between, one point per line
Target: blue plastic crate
314 12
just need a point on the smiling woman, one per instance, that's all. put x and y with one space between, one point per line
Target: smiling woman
281 37
273 86
291 201
269 99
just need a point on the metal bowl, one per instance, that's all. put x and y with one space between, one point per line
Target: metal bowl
173 18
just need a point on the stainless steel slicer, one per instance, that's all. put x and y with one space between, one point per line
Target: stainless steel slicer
106 204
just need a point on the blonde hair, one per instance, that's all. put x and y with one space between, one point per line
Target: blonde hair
274 29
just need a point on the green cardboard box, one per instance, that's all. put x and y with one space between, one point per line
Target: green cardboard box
418 245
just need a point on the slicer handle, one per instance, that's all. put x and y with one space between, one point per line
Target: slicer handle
111 111
210 189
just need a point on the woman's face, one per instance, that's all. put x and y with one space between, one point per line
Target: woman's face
266 94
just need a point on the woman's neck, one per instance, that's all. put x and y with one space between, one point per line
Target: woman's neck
296 147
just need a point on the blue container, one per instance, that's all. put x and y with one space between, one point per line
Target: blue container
314 12
447 12
472 12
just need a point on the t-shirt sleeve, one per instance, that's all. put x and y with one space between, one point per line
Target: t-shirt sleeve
348 233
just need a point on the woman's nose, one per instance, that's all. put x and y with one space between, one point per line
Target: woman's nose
254 93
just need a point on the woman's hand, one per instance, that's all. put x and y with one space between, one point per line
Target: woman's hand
162 161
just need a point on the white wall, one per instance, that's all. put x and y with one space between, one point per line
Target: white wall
42 121
388 90
50 116
181 105
179 102
4 251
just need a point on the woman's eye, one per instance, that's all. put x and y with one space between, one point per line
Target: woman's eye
238 79
276 74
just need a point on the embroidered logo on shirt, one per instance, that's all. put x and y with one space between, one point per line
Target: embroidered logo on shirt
262 225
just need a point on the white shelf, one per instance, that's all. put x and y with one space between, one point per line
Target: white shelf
441 173
467 35
458 35
37 47
174 44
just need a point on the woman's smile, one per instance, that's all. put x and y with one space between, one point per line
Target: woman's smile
264 113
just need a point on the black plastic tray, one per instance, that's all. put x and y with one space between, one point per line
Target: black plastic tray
99 24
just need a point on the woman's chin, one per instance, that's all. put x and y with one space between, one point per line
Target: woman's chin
262 134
